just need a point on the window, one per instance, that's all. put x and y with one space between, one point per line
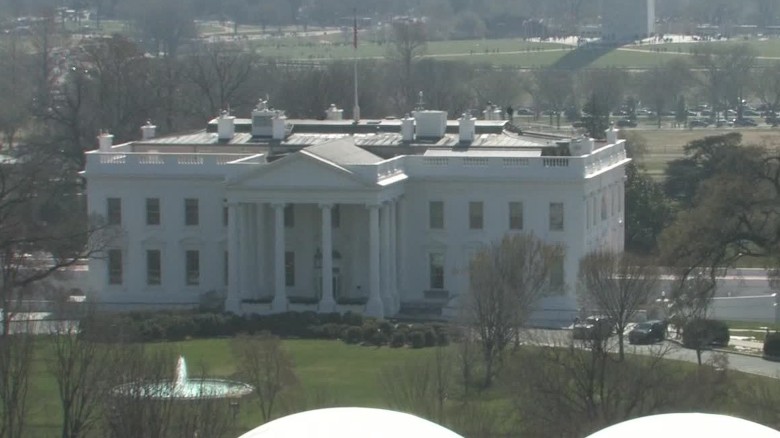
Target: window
191 214
152 211
153 267
289 268
436 215
604 207
436 264
515 215
476 215
114 266
556 274
335 216
289 216
556 216
192 267
114 211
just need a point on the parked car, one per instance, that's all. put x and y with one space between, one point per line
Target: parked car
592 328
698 123
647 332
626 123
744 122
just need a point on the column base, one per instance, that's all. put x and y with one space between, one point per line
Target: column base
375 308
326 306
279 304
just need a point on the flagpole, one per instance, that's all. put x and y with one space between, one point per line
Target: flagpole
356 107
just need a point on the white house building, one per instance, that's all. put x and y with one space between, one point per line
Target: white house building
379 216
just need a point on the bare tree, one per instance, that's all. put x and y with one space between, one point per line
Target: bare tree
553 89
135 409
81 369
419 386
409 41
661 86
617 285
506 280
262 362
767 86
221 74
16 360
691 295
725 72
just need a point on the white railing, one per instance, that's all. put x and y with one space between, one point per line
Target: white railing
159 162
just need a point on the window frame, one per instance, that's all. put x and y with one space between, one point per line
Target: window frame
114 211
114 267
289 268
476 215
436 267
436 215
151 214
557 218
191 212
151 275
192 267
514 218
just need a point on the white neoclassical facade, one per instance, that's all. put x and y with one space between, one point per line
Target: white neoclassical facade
380 216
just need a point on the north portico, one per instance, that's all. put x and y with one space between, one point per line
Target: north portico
324 238
380 217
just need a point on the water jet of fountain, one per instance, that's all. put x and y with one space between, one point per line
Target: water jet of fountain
180 378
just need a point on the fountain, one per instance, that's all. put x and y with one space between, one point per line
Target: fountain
183 387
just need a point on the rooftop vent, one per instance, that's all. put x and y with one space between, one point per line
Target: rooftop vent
407 129
279 126
334 113
466 128
612 135
261 119
148 131
430 124
493 112
105 141
580 146
226 126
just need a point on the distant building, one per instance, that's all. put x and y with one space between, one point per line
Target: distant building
377 217
627 20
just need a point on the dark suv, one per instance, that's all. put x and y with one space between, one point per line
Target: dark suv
647 332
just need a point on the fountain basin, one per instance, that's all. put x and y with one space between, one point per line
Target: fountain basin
184 388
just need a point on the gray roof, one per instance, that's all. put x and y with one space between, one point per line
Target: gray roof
483 153
343 151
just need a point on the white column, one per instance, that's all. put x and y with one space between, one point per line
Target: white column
244 258
393 278
327 303
400 248
384 250
280 294
260 250
374 306
233 302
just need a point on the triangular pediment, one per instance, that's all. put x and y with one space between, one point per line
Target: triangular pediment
300 170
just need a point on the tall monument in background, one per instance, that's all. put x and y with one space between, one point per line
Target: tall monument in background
627 20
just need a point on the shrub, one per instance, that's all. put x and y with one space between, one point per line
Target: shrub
416 339
398 339
772 345
430 337
705 332
353 335
351 318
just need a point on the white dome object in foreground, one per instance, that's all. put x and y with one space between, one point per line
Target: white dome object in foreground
687 426
350 423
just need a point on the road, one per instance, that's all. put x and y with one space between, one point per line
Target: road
738 362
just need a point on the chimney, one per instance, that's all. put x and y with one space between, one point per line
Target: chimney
466 128
407 129
430 124
492 112
279 126
334 113
148 131
105 141
612 135
226 127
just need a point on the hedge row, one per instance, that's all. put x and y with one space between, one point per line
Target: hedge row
700 333
175 326
772 345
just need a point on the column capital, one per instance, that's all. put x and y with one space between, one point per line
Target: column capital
278 205
324 205
373 206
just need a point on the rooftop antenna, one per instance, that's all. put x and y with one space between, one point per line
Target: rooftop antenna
420 102
356 107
